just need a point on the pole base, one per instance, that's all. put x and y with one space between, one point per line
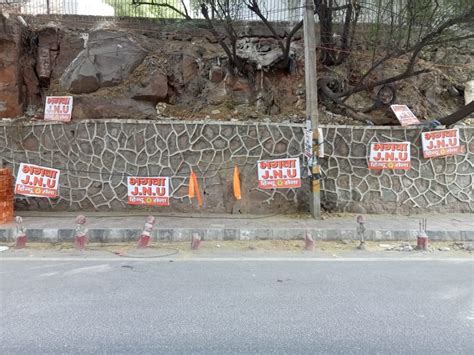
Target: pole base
195 242
20 242
143 242
421 243
80 242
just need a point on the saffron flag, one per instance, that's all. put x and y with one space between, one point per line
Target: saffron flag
194 188
236 184
191 188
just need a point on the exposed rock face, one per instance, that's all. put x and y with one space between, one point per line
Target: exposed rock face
86 107
216 74
48 50
10 83
262 53
190 68
469 92
153 88
181 65
108 59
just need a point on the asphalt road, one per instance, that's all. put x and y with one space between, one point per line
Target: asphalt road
220 307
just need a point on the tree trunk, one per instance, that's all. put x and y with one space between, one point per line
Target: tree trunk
458 115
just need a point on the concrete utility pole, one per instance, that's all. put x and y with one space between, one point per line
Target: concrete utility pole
312 104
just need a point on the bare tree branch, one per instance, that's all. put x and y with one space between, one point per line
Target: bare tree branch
253 6
231 54
393 79
415 50
162 4
289 38
284 46
349 110
185 10
451 40
458 115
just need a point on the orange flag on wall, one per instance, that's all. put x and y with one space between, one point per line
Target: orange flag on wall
236 183
191 188
194 188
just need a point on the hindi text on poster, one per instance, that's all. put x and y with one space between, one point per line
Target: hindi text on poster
391 155
151 191
441 143
37 181
404 115
281 173
58 108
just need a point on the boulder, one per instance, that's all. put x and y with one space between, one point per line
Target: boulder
261 55
86 79
108 59
153 88
216 74
469 92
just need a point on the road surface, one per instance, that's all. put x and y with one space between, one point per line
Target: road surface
121 306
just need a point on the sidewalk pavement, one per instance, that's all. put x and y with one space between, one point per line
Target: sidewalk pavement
127 227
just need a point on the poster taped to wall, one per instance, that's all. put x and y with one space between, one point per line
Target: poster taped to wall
308 143
280 173
37 181
58 108
391 155
149 191
441 143
404 115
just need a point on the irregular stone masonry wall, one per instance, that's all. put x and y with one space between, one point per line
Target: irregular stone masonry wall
95 157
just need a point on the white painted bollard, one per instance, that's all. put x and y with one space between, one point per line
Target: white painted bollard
144 239
20 237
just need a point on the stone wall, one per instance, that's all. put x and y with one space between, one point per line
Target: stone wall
96 156
440 184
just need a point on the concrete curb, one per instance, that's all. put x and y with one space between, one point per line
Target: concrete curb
111 235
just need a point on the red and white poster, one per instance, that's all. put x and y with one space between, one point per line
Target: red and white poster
150 191
404 115
37 181
393 155
58 108
441 143
280 173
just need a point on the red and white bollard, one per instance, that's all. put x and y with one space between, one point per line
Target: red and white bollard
195 241
309 243
144 239
422 238
80 240
422 241
20 238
